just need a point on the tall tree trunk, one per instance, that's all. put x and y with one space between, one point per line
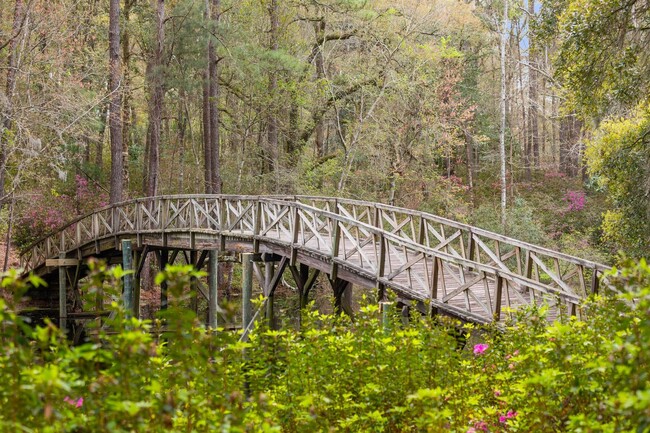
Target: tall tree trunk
532 86
126 101
524 125
319 27
115 117
99 144
156 81
215 172
502 130
207 150
12 64
272 119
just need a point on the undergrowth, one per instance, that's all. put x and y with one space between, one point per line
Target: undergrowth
334 374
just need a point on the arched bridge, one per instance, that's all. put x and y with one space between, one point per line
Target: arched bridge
451 267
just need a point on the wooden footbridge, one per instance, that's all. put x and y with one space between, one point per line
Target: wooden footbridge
431 263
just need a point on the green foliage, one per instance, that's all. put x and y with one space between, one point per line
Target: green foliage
521 221
333 375
619 157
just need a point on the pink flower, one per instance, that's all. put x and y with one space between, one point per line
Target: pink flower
504 418
480 348
78 403
497 393
481 425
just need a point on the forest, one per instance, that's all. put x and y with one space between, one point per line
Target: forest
528 119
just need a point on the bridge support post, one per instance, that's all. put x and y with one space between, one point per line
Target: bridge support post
213 278
163 259
63 297
137 257
269 269
194 283
304 282
247 289
127 283
342 296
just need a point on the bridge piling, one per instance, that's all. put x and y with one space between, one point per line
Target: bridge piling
137 258
247 289
63 295
127 285
213 282
269 270
163 259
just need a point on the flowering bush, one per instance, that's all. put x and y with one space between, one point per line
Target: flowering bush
44 213
573 375
575 200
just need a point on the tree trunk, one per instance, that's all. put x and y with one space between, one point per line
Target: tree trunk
532 86
502 130
126 100
12 64
215 172
115 116
272 120
319 27
207 150
157 100
524 126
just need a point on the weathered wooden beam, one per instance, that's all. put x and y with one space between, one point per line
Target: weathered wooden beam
63 296
194 300
213 284
268 276
163 256
137 258
247 290
127 280
61 261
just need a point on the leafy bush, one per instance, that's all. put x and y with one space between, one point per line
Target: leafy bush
332 375
45 213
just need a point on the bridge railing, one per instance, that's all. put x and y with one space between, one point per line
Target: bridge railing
422 256
563 271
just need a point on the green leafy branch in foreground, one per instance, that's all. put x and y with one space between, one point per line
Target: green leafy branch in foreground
332 375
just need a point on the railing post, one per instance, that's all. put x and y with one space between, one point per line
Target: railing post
434 284
381 268
257 222
335 249
499 296
295 235
594 282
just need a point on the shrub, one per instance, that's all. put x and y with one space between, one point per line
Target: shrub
589 374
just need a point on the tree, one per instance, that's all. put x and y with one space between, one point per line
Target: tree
157 86
115 109
19 18
502 106
604 63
